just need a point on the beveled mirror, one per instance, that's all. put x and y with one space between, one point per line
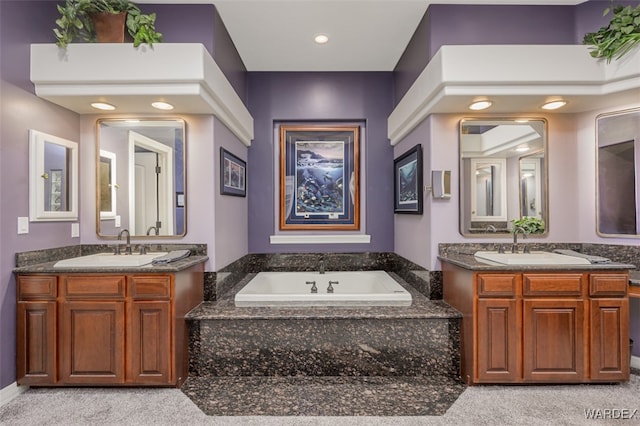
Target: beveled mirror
140 177
618 177
502 173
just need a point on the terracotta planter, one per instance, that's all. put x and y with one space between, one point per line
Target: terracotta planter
109 26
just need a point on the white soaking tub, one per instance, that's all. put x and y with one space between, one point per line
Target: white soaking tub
353 288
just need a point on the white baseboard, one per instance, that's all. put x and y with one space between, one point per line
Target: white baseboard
635 362
9 392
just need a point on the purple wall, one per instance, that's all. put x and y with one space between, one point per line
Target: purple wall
21 110
321 96
480 24
201 23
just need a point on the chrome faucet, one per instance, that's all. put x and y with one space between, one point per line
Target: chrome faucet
127 248
321 266
516 230
491 228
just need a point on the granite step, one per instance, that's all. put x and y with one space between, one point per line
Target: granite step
422 340
323 396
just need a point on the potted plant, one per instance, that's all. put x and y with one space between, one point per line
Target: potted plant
617 38
84 18
530 224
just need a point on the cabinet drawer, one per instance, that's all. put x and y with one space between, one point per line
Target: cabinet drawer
553 285
37 287
497 285
150 287
94 287
608 285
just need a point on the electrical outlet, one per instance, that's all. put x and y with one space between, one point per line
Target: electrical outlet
23 225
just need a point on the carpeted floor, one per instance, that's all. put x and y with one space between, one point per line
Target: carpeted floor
479 405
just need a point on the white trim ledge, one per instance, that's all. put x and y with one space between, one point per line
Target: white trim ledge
320 239
10 392
183 74
518 79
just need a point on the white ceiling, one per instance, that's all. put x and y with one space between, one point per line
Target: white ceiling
365 35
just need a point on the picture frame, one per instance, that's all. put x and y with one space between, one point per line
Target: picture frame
320 177
407 182
233 174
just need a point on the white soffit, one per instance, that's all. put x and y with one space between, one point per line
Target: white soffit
183 74
518 79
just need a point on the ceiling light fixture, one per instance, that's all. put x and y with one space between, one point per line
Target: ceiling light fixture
103 106
321 38
162 105
554 104
522 149
480 105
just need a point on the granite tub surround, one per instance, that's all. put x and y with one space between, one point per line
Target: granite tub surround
429 283
362 360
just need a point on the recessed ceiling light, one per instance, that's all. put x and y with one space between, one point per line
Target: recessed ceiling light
321 38
162 105
103 106
480 105
554 104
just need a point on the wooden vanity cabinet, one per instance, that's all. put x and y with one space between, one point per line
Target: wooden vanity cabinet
105 329
541 327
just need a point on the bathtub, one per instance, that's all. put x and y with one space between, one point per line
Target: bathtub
354 288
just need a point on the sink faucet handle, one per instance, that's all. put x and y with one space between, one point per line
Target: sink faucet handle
314 289
330 288
143 249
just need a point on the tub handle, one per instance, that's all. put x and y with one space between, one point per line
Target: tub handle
330 288
314 289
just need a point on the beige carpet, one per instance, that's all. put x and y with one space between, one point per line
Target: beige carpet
480 405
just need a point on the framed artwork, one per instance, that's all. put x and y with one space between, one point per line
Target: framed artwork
233 174
319 177
407 177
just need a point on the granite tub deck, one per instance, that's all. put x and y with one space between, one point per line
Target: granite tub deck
364 360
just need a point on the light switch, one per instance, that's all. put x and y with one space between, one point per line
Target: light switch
75 230
23 225
117 221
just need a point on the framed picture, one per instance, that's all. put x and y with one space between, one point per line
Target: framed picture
319 177
407 177
233 174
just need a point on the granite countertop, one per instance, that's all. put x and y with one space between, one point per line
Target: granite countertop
421 307
468 261
48 268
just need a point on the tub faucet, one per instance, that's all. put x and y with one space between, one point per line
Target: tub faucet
314 288
127 248
321 266
516 230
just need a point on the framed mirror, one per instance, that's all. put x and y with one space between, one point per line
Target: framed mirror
618 177
53 178
502 173
140 177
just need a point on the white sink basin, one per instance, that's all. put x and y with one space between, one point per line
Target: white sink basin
533 258
108 260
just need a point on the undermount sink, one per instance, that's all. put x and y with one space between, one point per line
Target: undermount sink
108 260
533 258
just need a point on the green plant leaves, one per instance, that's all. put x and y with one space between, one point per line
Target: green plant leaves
619 37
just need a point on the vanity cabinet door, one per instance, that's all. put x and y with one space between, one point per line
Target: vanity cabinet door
149 330
92 329
554 340
92 342
36 330
498 341
609 339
